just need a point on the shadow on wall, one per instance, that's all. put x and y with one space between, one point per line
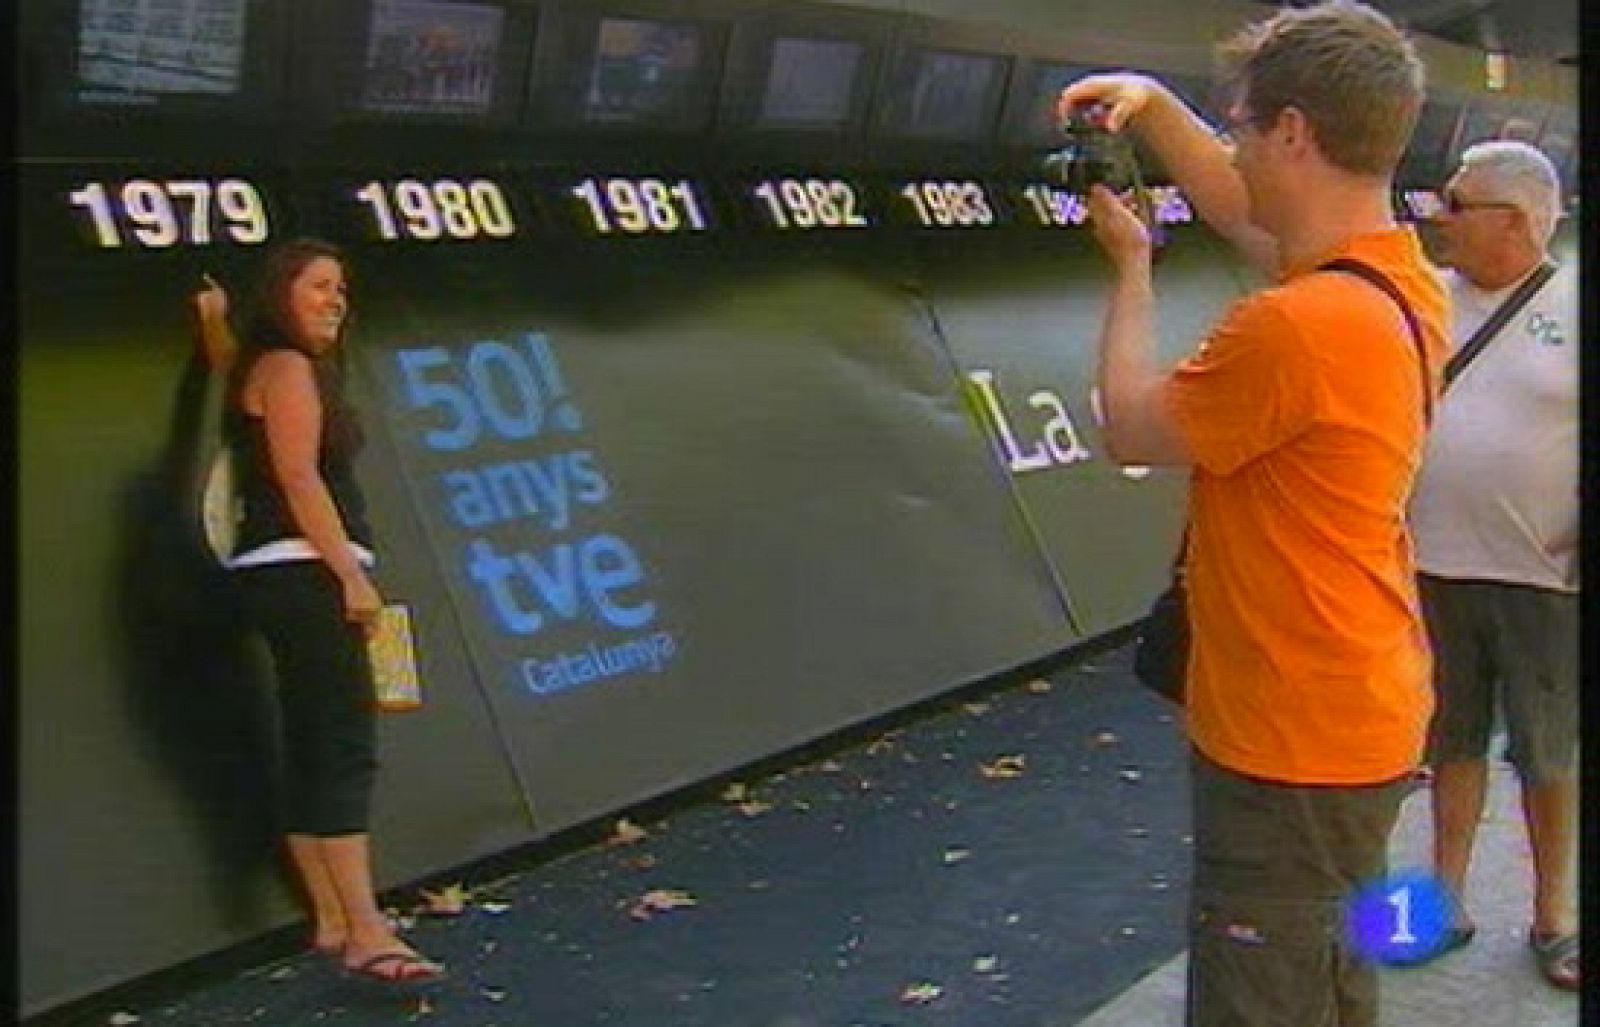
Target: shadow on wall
196 679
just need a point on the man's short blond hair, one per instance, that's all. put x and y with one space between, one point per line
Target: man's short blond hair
1346 67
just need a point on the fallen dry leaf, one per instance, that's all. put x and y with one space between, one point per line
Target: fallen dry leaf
1038 686
642 862
1105 738
121 1019
449 902
735 792
977 709
1005 766
920 993
625 832
754 808
661 900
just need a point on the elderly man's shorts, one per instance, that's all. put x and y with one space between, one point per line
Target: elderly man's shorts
1512 644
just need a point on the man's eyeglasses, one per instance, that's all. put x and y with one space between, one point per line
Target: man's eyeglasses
1454 204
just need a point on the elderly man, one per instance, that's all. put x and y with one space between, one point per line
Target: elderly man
1495 517
1303 416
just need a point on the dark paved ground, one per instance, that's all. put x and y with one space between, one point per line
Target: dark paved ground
1015 857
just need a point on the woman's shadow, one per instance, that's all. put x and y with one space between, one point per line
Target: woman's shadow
197 681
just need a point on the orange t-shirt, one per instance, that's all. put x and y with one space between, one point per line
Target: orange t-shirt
1304 412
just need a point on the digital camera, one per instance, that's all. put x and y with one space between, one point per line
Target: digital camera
1093 154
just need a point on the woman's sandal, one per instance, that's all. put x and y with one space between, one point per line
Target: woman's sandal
397 968
1557 955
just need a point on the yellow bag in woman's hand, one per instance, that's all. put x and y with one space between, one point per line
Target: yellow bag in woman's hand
394 660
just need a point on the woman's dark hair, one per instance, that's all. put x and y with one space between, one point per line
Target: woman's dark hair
269 329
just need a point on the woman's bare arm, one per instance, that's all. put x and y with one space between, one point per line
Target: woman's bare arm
217 342
285 385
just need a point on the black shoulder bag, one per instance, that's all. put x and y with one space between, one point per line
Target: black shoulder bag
1161 654
1508 308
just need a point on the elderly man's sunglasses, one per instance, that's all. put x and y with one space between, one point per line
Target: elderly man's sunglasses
1455 204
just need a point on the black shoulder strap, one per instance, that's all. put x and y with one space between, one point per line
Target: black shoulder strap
1506 311
1379 279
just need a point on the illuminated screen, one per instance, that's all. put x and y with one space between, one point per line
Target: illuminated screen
131 51
1037 123
810 81
949 95
643 68
426 57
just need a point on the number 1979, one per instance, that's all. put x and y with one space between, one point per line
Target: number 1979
174 212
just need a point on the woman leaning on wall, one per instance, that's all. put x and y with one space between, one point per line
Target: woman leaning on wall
301 561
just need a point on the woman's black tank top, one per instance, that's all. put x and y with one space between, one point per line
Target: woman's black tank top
266 512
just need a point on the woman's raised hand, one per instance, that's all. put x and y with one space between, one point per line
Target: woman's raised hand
211 301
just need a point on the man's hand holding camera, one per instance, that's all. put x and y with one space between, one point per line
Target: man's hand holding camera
1118 229
1096 109
1104 169
1120 97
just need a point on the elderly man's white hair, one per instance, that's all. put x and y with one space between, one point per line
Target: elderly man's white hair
1521 174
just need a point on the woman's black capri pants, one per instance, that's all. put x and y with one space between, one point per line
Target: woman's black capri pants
324 695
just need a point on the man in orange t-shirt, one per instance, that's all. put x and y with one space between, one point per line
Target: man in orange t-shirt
1302 415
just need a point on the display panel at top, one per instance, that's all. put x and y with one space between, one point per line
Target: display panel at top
643 68
1032 120
633 66
133 52
942 94
810 82
427 57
